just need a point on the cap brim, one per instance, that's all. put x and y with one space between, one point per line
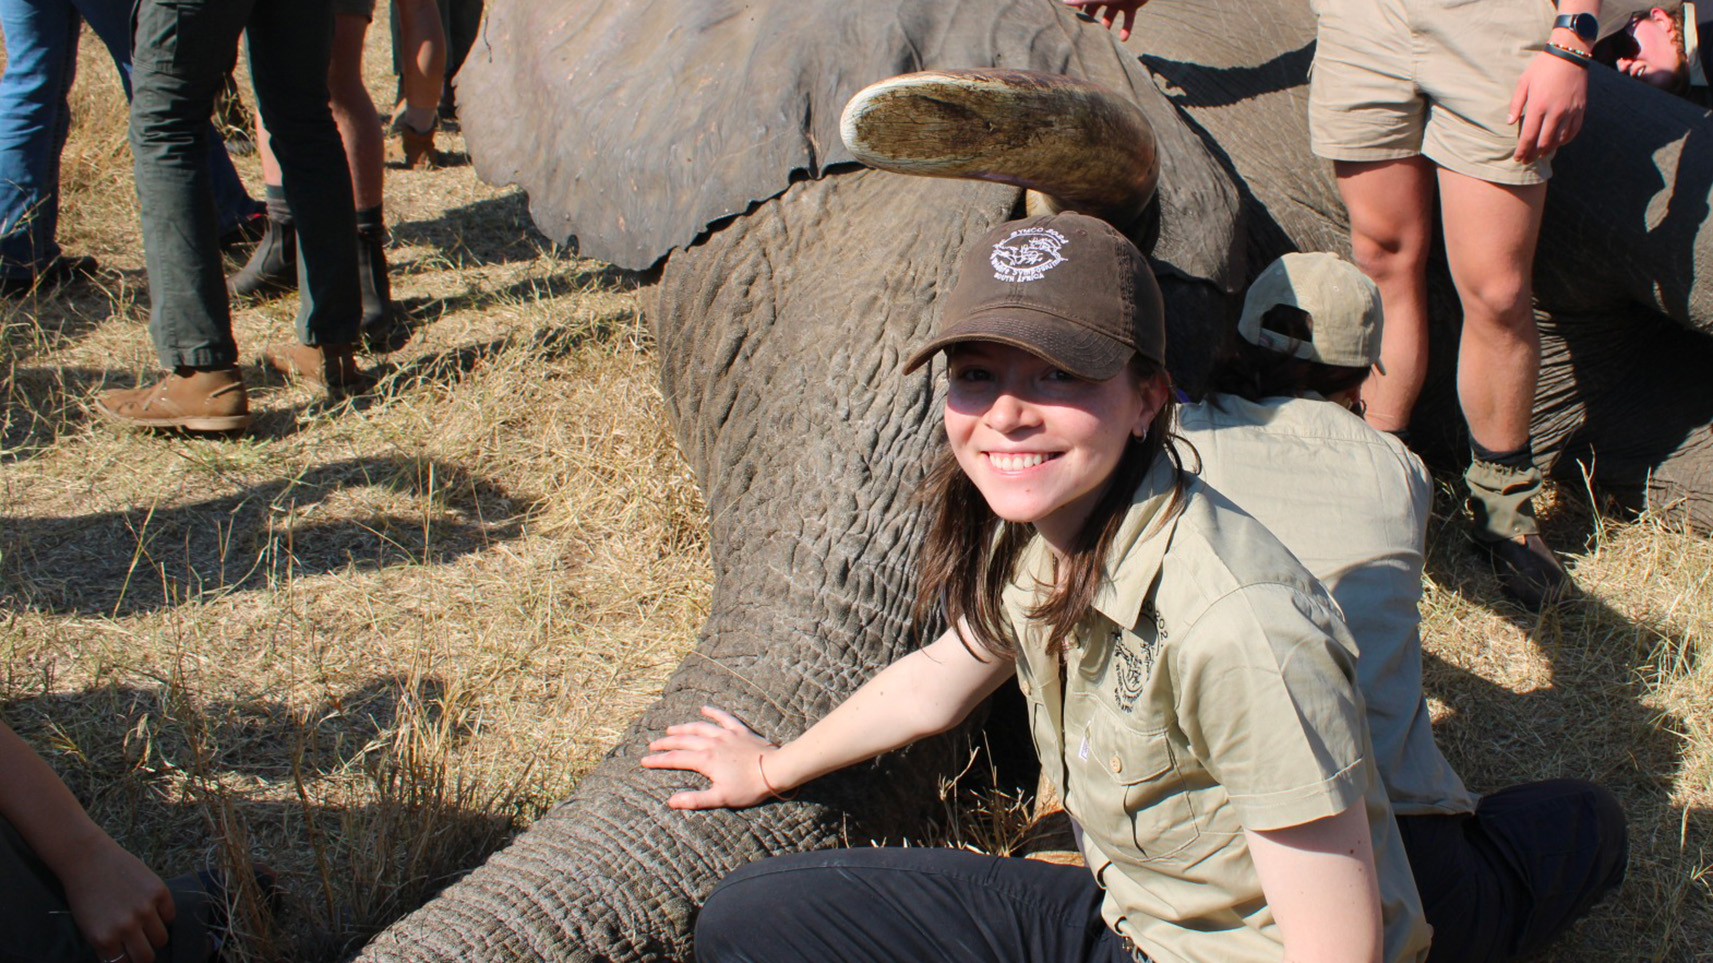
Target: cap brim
1063 344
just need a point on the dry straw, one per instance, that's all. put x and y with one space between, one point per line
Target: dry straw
368 641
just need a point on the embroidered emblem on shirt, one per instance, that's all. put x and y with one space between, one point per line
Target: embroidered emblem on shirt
1027 254
1131 669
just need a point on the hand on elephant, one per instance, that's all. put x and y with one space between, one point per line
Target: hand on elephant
1550 99
1106 11
726 751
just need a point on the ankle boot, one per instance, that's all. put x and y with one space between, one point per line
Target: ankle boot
209 399
272 267
379 330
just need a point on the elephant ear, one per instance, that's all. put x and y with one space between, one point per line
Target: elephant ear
635 126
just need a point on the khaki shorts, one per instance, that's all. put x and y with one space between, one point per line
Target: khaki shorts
1397 78
356 8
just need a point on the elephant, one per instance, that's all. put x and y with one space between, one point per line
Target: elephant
702 139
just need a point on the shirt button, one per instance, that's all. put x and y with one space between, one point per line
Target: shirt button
1024 685
1117 764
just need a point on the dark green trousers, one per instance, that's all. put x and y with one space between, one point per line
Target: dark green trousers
183 50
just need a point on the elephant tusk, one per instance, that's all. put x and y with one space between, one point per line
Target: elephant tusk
1083 146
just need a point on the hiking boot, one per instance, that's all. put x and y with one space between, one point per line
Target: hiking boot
332 366
61 270
272 267
1529 573
1500 506
414 148
191 399
381 330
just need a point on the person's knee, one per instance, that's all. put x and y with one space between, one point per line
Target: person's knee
1497 299
1388 254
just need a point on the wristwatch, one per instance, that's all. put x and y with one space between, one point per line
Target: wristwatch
1585 25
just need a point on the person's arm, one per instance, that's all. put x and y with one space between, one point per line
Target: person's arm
924 693
1320 882
1107 11
1552 94
120 906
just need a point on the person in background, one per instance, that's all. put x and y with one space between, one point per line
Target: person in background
1661 47
1280 435
183 49
35 114
419 59
1420 110
272 267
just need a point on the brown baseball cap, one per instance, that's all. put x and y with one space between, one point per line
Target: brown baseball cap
1067 288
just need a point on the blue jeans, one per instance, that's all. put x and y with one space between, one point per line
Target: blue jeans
183 50
41 61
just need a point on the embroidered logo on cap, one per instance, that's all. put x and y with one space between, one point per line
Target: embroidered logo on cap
1027 254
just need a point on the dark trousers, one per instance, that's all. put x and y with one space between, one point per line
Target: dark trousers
36 921
1498 885
183 51
886 905
1502 883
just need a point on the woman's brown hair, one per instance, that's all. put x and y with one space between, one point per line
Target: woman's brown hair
971 553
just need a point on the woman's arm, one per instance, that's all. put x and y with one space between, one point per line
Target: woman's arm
924 693
120 906
1320 881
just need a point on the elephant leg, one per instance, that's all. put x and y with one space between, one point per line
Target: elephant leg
1627 398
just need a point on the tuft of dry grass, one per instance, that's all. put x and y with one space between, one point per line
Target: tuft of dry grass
369 640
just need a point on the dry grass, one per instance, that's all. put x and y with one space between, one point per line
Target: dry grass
368 640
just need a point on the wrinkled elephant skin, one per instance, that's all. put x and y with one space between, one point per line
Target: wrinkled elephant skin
706 133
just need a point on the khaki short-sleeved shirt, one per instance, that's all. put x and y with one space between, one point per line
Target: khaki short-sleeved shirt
1352 505
1210 692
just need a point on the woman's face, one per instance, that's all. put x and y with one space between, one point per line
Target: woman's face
1653 57
1039 443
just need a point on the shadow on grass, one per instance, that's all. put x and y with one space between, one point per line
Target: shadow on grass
1591 721
147 558
415 314
497 230
256 786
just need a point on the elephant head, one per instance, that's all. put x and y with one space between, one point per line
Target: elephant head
706 135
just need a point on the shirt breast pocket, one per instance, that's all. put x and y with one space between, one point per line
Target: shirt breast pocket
1138 791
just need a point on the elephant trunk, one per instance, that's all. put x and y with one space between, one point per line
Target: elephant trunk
1078 145
780 340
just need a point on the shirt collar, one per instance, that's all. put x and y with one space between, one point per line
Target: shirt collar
1134 560
1140 546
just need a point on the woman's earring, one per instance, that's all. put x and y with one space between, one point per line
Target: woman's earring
1143 436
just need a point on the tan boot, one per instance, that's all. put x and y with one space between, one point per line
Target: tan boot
189 399
414 148
332 366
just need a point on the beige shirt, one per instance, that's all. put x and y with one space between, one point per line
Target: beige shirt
1352 504
1211 691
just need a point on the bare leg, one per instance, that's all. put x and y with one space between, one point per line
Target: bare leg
422 43
1391 228
353 111
1490 232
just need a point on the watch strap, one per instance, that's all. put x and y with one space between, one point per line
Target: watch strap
1584 25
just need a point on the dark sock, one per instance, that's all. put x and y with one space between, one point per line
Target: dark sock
1517 458
370 221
